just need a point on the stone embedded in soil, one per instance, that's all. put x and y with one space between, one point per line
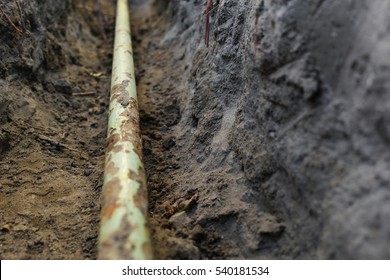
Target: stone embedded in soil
168 142
63 86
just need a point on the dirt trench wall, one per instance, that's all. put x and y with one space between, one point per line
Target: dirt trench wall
32 42
286 119
52 134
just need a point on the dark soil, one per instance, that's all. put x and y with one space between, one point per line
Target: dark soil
273 142
280 127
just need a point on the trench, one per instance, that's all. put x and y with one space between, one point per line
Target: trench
271 143
254 146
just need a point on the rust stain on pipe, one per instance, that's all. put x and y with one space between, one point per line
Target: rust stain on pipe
123 232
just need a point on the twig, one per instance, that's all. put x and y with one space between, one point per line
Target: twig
83 93
17 30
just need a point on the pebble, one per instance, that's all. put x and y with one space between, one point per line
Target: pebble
63 86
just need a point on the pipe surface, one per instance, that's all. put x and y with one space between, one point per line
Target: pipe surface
123 230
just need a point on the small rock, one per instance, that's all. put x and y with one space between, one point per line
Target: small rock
63 86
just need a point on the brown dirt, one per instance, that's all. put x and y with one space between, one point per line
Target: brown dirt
53 136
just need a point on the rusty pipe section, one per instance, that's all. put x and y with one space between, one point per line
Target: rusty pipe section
123 230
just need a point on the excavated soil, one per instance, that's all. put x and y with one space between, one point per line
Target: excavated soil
274 140
54 88
271 143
